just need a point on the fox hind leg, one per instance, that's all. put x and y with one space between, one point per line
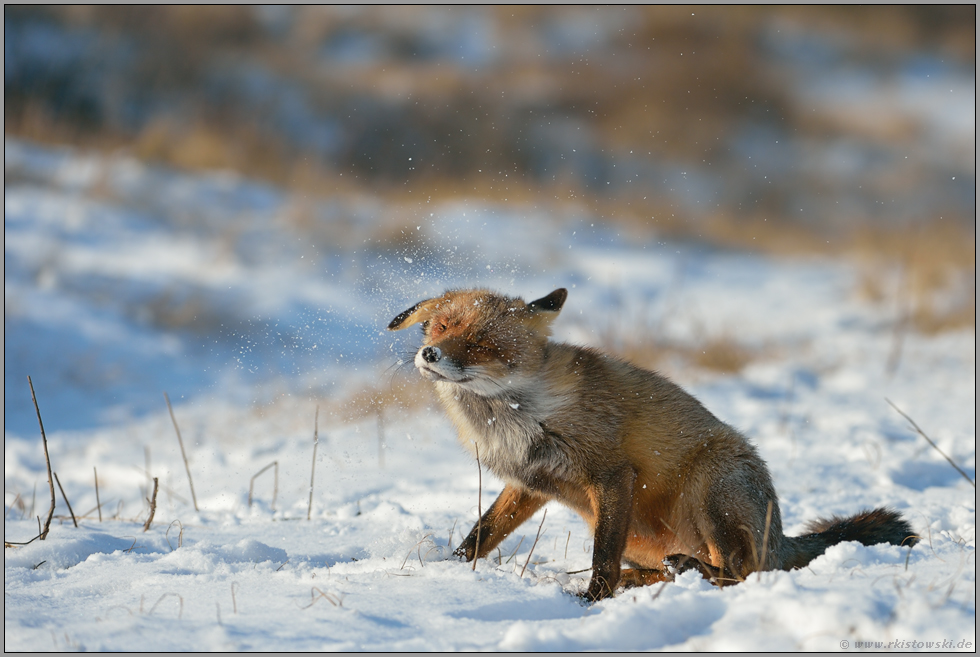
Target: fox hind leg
633 577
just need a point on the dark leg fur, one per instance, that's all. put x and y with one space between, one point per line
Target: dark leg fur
613 502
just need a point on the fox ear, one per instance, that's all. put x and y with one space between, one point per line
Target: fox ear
417 313
545 309
551 303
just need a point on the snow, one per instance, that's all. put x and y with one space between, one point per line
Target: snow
123 280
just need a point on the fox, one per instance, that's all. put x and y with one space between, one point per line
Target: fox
663 485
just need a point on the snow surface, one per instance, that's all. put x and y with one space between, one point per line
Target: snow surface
122 281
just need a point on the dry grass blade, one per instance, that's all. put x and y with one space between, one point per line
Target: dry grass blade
47 460
98 504
514 553
417 546
234 603
90 512
147 470
929 440
65 498
660 590
170 491
479 505
761 565
180 613
182 452
405 560
10 544
451 532
381 437
901 326
7 543
533 545
12 505
180 536
153 504
316 440
275 485
332 599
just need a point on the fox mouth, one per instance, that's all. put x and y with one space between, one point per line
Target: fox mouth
432 365
433 375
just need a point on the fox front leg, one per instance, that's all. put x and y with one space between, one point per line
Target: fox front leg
507 513
612 504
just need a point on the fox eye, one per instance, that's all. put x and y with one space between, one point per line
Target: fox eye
438 328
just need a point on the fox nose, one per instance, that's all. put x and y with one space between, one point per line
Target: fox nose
431 354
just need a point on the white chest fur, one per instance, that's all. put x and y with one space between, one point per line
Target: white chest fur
501 430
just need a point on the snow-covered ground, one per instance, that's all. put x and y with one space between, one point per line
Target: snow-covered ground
251 307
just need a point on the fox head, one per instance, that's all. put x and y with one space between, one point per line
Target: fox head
481 340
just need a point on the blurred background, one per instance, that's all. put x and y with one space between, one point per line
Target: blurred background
791 131
823 117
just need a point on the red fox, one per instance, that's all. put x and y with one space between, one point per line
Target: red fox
663 484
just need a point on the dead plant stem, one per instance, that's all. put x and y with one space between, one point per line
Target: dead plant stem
98 504
182 452
275 485
514 553
316 440
381 437
65 498
533 545
47 460
479 506
929 440
153 504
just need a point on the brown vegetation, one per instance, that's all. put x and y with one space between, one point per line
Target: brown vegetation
673 86
406 394
721 354
926 272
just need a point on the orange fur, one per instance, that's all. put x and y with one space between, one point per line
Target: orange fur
662 483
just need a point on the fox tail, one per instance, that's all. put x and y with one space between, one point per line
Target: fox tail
868 528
